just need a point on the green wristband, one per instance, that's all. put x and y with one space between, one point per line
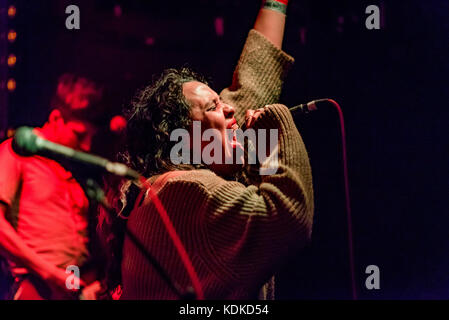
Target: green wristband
275 5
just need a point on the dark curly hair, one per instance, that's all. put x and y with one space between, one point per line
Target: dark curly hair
154 112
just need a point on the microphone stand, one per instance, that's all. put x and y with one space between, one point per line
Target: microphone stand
28 143
306 109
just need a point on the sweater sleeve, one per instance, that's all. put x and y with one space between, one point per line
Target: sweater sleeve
258 77
258 225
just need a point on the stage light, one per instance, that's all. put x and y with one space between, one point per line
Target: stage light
117 124
118 11
10 132
219 26
12 35
11 84
149 41
303 35
12 60
12 11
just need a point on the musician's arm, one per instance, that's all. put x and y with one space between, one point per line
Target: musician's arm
271 24
14 248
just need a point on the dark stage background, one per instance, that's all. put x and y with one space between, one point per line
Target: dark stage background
391 83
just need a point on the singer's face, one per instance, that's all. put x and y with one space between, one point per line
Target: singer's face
207 107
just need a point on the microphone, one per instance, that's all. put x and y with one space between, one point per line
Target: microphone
308 107
27 143
301 108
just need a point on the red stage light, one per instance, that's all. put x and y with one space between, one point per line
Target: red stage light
219 26
118 11
117 124
149 41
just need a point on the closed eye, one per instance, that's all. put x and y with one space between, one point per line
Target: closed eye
213 106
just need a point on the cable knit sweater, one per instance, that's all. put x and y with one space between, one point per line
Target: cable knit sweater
236 235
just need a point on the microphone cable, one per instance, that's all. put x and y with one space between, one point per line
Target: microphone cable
191 293
312 106
182 252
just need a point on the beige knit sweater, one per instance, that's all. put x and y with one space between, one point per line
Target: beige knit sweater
236 235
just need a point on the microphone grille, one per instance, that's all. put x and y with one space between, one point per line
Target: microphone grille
24 142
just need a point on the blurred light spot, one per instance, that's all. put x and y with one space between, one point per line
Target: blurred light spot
149 41
219 26
12 11
12 35
128 76
118 11
10 132
11 84
12 60
302 35
117 124
341 21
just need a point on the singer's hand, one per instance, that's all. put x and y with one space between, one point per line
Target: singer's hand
268 146
251 117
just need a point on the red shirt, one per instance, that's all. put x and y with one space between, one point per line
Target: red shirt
47 205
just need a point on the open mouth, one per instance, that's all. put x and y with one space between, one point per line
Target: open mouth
233 126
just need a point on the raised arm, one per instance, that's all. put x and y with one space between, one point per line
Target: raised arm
262 67
271 21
